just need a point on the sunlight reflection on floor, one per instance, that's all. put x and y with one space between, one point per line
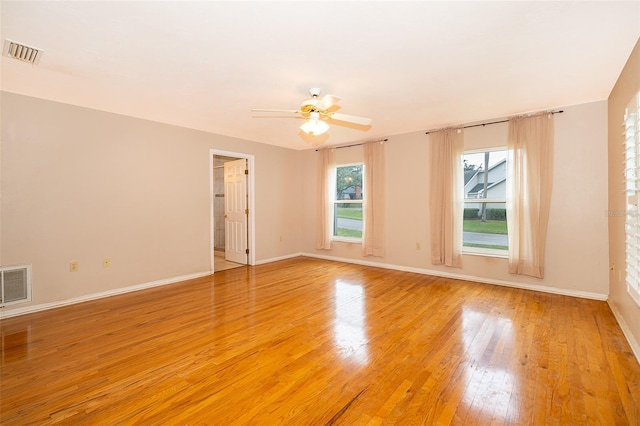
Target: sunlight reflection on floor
350 322
489 386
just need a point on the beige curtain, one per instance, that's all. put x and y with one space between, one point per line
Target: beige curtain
374 199
530 171
326 177
446 196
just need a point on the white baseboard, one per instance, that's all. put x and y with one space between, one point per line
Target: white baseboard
275 259
635 347
423 271
93 296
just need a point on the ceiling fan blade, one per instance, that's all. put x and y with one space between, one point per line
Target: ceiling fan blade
275 110
350 118
327 102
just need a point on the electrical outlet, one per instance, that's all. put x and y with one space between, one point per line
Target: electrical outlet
106 262
73 266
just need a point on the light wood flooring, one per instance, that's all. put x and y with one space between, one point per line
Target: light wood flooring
221 264
312 342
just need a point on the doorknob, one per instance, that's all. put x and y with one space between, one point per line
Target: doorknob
225 215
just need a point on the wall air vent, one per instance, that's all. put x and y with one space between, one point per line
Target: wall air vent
15 284
21 52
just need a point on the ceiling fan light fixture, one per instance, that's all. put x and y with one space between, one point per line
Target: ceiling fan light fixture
316 110
314 126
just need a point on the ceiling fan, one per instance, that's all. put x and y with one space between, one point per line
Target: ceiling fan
316 111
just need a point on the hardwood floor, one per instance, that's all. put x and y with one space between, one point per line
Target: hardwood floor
220 264
306 341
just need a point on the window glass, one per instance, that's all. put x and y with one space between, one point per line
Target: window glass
347 212
348 220
349 182
485 214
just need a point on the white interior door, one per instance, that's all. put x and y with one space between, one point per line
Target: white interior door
235 210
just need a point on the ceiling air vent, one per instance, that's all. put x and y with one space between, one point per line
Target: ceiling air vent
21 52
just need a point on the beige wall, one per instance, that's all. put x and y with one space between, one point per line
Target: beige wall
80 184
627 311
577 253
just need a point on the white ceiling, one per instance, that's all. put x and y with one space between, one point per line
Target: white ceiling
408 65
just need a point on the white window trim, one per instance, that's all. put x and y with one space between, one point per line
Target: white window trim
480 251
338 238
631 144
485 200
347 239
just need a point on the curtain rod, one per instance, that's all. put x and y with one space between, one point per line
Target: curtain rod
349 146
486 124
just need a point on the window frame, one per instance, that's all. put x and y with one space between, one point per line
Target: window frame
481 251
334 202
631 154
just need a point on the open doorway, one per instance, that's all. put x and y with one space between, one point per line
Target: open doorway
231 214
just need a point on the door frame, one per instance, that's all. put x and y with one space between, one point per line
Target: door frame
251 219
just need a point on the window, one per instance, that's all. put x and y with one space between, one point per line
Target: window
347 204
632 189
485 214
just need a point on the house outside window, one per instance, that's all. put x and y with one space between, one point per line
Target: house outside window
485 214
347 204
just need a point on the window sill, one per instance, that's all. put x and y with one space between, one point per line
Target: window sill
347 240
471 251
